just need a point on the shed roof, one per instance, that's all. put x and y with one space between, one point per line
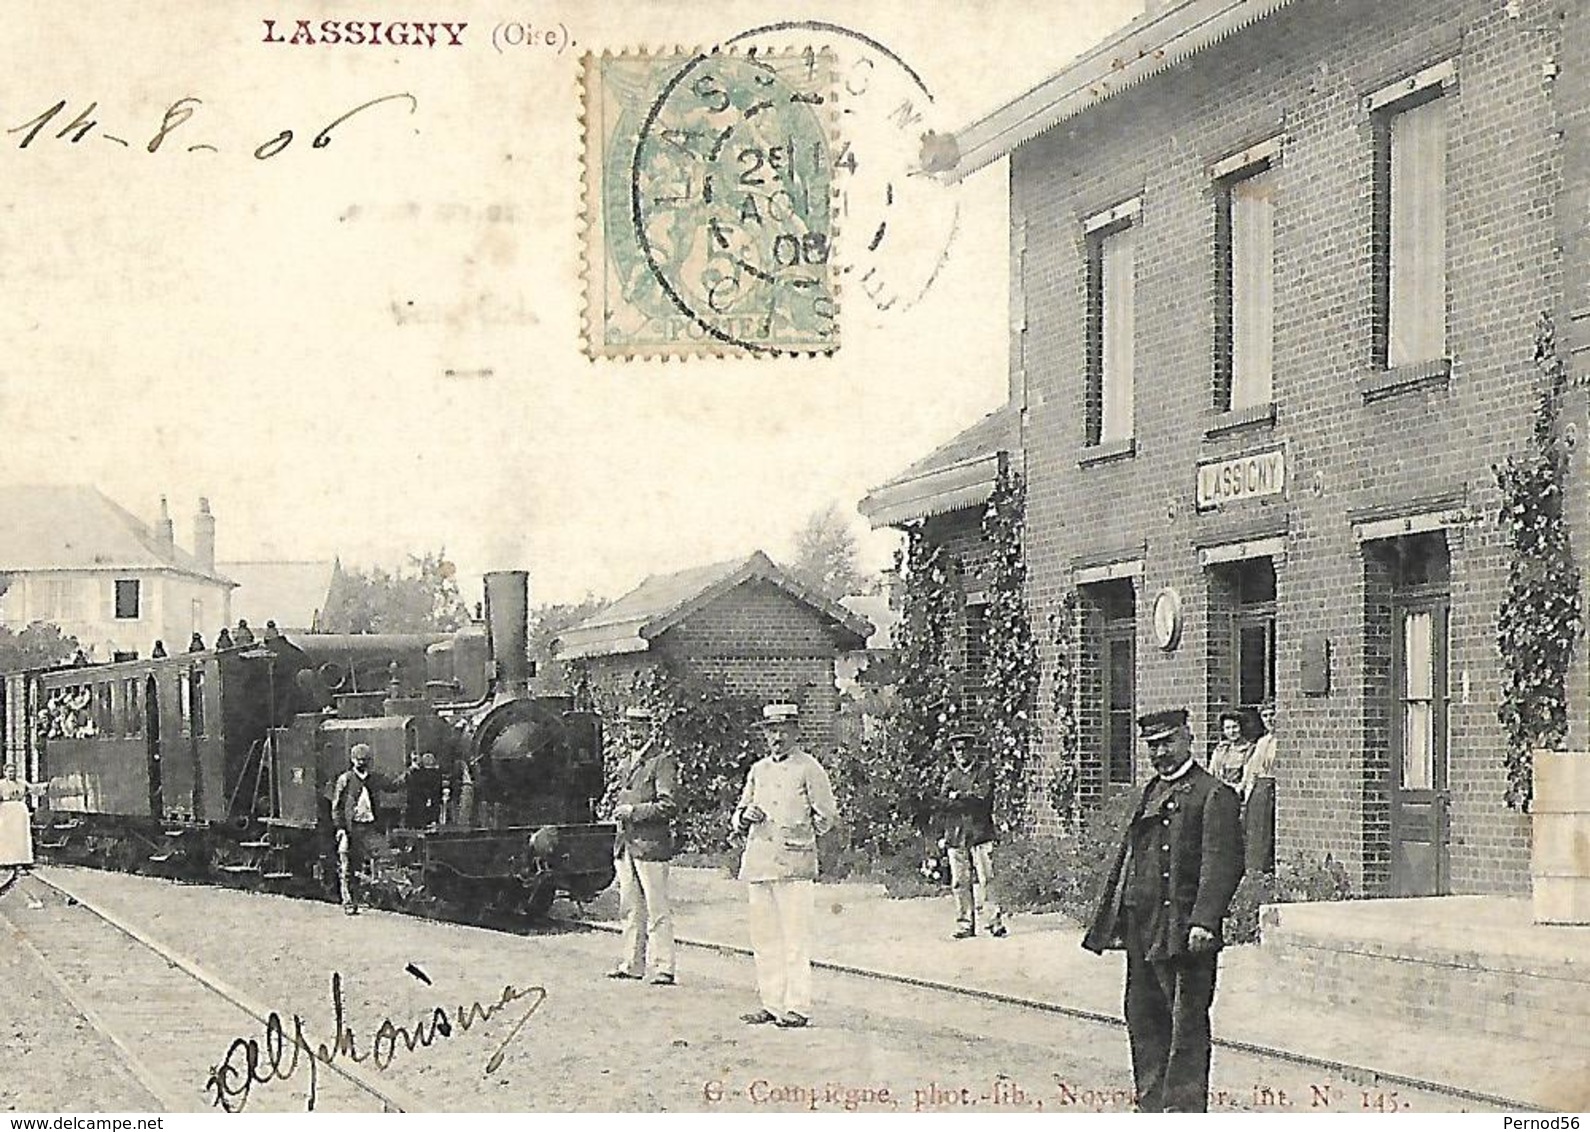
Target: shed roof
631 623
958 473
78 527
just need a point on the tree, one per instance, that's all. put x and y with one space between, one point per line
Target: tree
826 557
421 598
39 645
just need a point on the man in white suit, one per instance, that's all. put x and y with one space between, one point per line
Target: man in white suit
787 803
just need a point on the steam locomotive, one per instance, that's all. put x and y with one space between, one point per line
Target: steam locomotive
217 766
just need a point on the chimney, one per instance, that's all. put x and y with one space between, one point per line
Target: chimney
204 535
508 629
165 534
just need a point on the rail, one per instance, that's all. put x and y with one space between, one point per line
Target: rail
1346 1070
390 1099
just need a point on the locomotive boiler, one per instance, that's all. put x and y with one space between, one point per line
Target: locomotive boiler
218 765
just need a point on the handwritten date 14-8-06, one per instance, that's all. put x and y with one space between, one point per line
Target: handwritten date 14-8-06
53 124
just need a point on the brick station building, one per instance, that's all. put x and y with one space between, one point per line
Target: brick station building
1277 269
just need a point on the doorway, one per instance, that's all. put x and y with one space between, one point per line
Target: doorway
1113 613
1418 756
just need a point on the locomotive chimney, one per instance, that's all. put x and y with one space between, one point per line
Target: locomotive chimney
508 629
204 535
165 533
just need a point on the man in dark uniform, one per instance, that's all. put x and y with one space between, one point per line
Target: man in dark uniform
969 836
1175 873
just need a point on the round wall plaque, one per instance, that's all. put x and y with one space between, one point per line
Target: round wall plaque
1167 618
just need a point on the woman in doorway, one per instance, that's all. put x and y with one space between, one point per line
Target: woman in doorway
1231 754
1258 792
16 826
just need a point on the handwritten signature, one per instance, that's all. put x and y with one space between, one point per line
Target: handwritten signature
251 1061
85 122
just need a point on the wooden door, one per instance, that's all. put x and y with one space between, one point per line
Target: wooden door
1420 855
1119 670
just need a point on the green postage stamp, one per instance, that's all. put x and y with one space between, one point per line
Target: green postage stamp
709 205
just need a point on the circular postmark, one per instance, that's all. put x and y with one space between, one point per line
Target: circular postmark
731 198
896 219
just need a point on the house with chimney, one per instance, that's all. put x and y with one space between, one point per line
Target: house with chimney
74 557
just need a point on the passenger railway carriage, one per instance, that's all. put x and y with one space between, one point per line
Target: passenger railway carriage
218 765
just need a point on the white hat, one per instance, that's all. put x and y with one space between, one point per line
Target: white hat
637 713
775 714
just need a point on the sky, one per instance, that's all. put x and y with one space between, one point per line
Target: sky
372 348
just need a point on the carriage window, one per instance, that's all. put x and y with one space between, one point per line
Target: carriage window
197 706
104 716
132 703
69 712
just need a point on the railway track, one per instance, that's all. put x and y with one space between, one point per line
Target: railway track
129 986
1358 1074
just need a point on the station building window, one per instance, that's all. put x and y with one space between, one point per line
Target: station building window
1410 216
1112 257
1245 278
974 671
1109 680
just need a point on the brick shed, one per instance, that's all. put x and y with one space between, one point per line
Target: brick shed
1276 275
746 621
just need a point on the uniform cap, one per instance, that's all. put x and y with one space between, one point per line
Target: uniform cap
1159 724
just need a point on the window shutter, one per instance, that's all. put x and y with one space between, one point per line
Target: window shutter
1252 289
1417 323
1118 254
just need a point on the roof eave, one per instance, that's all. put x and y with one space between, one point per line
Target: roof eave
1143 49
125 568
966 484
613 646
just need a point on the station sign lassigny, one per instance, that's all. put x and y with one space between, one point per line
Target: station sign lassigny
1243 477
